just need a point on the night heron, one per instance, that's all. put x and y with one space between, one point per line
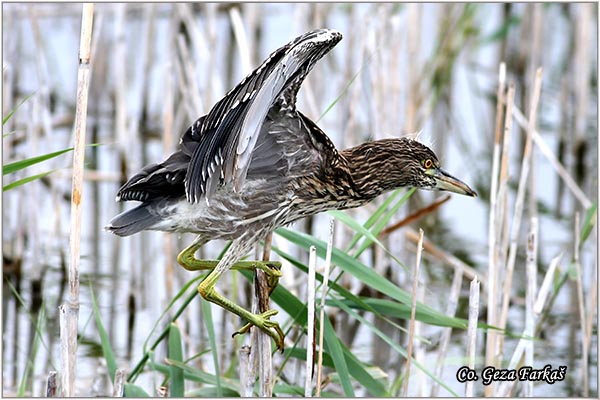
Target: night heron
255 163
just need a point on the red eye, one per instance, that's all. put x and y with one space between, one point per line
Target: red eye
428 164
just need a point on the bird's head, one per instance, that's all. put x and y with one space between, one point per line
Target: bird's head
391 163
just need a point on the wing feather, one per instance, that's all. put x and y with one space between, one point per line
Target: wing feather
231 129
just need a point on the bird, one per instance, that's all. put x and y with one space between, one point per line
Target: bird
255 163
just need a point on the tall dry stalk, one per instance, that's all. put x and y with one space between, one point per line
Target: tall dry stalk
530 294
493 231
411 329
327 268
71 309
519 203
310 334
472 332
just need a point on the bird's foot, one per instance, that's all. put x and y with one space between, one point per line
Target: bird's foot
263 322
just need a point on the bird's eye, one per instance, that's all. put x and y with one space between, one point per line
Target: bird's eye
428 163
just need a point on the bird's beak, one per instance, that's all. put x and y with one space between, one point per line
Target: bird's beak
445 181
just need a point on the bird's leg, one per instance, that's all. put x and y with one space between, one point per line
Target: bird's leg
188 260
207 287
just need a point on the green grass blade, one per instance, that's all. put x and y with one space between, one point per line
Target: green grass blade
383 221
210 327
196 375
39 327
21 164
588 223
360 372
107 351
360 229
11 113
333 344
25 180
131 390
394 345
175 352
360 271
376 215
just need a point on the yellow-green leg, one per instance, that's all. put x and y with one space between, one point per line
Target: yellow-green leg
207 290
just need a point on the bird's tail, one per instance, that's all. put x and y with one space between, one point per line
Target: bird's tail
132 221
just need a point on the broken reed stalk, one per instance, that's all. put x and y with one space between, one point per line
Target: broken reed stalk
324 288
530 294
119 384
260 353
472 332
51 385
413 309
246 378
70 311
310 337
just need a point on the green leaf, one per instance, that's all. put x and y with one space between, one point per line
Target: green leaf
208 321
588 224
107 351
333 344
212 392
131 390
356 227
176 354
39 327
25 180
395 346
195 375
502 31
19 165
383 221
365 274
10 114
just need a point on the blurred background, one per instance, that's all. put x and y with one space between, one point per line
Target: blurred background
401 68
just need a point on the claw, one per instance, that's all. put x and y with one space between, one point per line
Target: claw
271 328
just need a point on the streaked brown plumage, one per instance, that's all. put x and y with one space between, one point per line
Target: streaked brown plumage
255 163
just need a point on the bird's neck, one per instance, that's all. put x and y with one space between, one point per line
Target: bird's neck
372 170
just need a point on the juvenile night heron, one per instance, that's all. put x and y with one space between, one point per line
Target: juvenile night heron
255 163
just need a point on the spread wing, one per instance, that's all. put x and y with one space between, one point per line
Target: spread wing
231 129
220 147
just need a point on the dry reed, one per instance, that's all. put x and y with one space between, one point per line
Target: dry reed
324 288
472 332
413 309
70 311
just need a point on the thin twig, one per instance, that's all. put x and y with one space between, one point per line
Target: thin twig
420 213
